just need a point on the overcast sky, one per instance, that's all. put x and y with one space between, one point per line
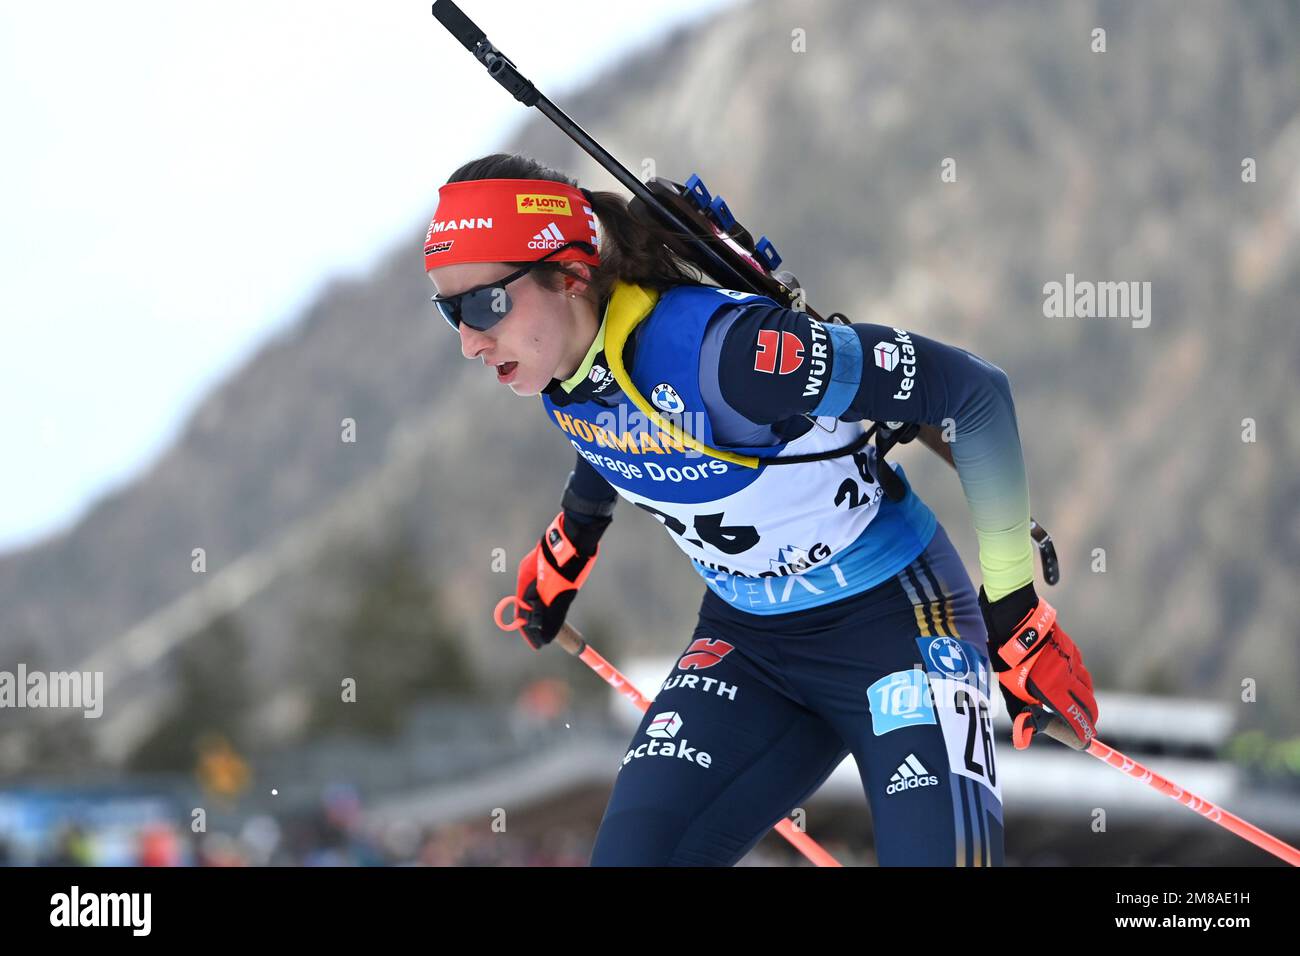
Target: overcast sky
180 179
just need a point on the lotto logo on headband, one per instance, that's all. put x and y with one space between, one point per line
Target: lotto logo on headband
546 205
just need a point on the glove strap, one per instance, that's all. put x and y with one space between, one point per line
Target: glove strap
1029 634
562 547
550 581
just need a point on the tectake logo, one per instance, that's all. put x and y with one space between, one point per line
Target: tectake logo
665 725
601 377
888 355
664 396
664 728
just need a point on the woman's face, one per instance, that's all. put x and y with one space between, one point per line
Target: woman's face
545 334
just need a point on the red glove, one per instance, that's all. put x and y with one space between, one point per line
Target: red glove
550 576
1038 667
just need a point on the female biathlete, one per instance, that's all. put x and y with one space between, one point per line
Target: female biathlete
834 620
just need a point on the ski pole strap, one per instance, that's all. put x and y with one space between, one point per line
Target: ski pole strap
886 438
1046 552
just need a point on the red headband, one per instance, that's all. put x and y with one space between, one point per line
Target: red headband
509 220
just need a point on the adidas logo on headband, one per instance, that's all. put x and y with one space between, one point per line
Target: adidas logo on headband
548 238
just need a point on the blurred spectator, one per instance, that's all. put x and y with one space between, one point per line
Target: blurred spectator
538 707
220 770
72 847
158 846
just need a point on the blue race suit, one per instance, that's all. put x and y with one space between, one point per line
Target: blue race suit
834 620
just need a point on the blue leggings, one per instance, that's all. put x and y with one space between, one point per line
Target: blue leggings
758 710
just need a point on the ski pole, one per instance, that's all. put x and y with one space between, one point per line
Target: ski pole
1108 755
573 642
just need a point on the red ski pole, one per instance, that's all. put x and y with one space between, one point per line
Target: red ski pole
573 642
1058 730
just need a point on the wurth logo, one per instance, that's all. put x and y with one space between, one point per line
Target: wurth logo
704 652
548 238
707 685
771 344
817 367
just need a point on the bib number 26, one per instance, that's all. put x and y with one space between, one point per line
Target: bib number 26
709 529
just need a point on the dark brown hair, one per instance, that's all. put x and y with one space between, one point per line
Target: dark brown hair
630 249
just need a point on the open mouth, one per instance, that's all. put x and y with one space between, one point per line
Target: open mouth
506 371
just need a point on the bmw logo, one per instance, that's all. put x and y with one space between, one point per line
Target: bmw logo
664 396
948 656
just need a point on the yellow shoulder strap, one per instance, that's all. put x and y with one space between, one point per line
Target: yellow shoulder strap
628 306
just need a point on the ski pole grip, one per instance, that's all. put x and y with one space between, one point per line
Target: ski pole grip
570 639
1059 730
457 24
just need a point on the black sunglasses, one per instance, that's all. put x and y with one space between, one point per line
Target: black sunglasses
485 305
